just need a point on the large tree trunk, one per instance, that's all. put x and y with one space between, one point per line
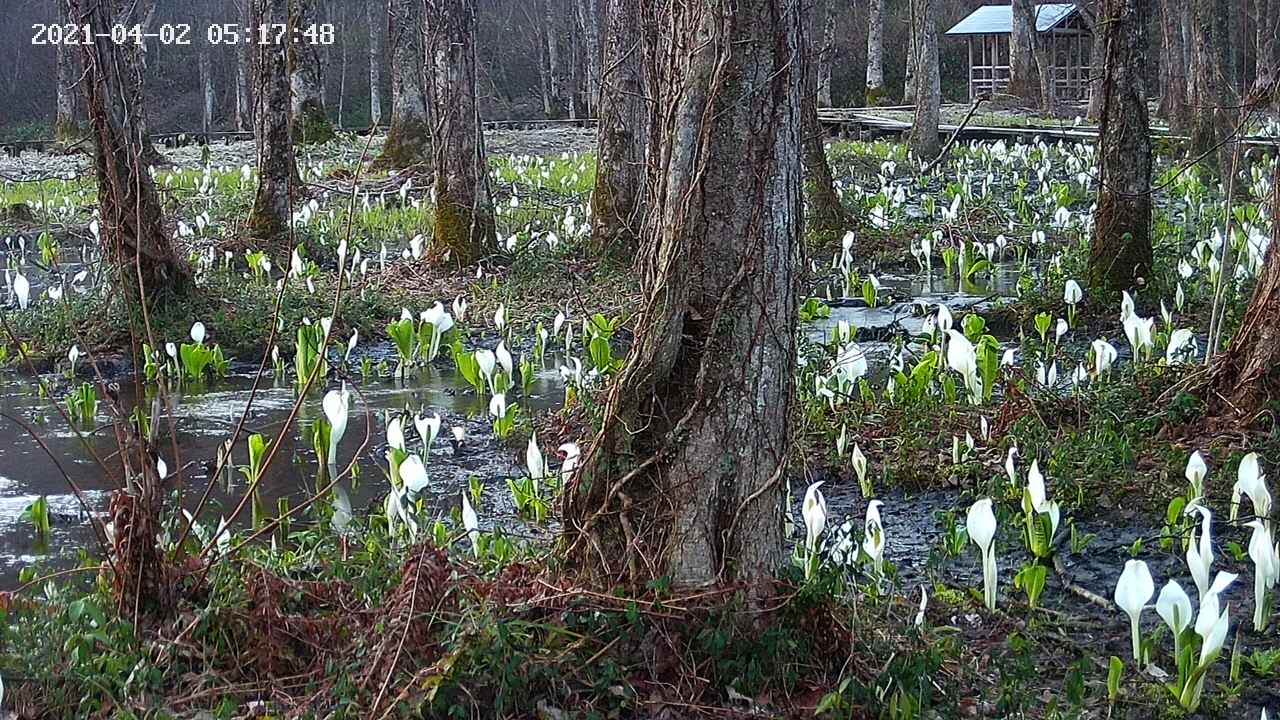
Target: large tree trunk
589 23
1120 251
135 241
204 61
1024 82
375 14
244 69
66 127
1174 102
464 225
277 172
617 202
409 137
1212 120
1269 47
685 479
924 139
823 213
1246 376
555 63
875 53
826 52
310 121
1033 83
1097 59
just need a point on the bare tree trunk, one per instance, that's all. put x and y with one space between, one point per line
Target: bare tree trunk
555 65
1024 82
244 60
826 52
1097 59
1269 47
310 122
409 137
375 15
924 139
875 53
1034 83
1174 102
277 171
135 241
464 225
66 127
204 61
913 54
618 200
544 72
1246 376
1120 251
589 22
824 214
1212 120
685 479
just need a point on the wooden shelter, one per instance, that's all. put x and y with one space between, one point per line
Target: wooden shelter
986 31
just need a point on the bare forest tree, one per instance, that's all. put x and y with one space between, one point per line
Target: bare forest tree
66 125
277 171
135 240
375 14
685 478
244 68
310 122
875 52
826 54
1030 71
464 225
409 136
824 215
588 20
1212 120
1174 105
618 199
924 139
204 59
1120 251
553 72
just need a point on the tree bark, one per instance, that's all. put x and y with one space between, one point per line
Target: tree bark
1246 376
685 479
923 140
826 53
824 215
244 62
310 121
409 137
1024 82
269 220
66 126
1097 59
1033 83
1174 105
1120 251
1212 120
464 225
555 64
617 202
204 61
875 53
135 241
589 22
375 15
1269 47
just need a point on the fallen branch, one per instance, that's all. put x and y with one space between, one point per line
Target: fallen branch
954 134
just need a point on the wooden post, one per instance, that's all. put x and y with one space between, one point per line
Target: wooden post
968 42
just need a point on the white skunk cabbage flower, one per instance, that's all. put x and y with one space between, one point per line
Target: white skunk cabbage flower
1133 591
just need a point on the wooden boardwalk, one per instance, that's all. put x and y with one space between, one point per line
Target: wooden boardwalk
863 122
